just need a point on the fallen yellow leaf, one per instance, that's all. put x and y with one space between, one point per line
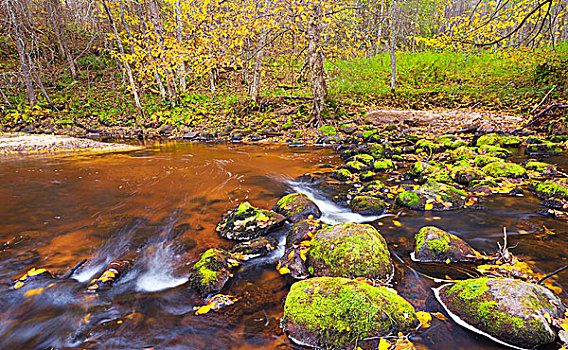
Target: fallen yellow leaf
425 318
428 206
383 344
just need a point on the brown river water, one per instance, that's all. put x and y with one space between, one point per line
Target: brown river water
159 207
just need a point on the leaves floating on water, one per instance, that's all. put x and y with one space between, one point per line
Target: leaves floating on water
216 302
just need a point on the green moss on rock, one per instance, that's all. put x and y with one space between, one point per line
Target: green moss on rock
462 153
545 148
210 273
502 169
246 222
436 245
342 175
541 167
368 205
339 313
511 311
464 175
440 196
551 189
297 207
495 151
384 165
350 250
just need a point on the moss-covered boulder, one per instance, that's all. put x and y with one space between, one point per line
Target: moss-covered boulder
436 245
508 311
432 196
502 169
356 167
384 165
495 151
375 186
367 176
439 174
451 141
541 167
297 207
545 148
368 205
350 250
339 313
462 153
210 273
255 248
246 222
364 158
464 174
429 146
496 140
421 168
342 175
551 189
483 160
303 230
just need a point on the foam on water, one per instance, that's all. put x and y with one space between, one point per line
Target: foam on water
158 271
331 213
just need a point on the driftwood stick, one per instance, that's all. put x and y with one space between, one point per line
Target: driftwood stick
552 274
81 263
543 99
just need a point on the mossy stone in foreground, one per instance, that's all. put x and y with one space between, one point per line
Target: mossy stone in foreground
437 195
255 248
297 207
303 230
211 271
368 205
436 245
339 313
502 169
506 310
350 250
246 222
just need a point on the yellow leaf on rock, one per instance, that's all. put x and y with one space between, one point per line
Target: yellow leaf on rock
439 316
428 206
396 223
425 318
203 309
383 344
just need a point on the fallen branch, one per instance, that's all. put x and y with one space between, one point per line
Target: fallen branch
543 99
552 274
302 98
541 113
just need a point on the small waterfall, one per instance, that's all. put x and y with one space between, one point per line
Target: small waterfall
158 267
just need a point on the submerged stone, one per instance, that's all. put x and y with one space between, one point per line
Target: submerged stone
432 196
545 148
210 273
339 313
255 248
350 250
502 169
368 205
246 222
297 207
508 311
436 245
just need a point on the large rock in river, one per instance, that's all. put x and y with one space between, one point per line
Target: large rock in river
339 313
246 222
213 269
508 311
297 207
350 250
368 205
304 230
436 245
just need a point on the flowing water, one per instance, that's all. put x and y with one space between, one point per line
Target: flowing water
159 208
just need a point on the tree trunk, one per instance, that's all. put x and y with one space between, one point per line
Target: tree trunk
392 47
258 59
179 30
148 50
60 28
125 63
22 53
317 71
155 18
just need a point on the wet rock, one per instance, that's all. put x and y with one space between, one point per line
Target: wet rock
348 129
551 189
373 187
297 207
438 174
255 248
483 160
31 275
541 167
508 311
462 153
350 250
246 222
384 165
496 140
495 151
367 176
436 245
437 196
502 169
303 230
356 166
293 262
451 141
342 175
165 129
190 135
210 273
429 146
464 175
545 148
113 272
421 168
367 205
339 313
366 159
